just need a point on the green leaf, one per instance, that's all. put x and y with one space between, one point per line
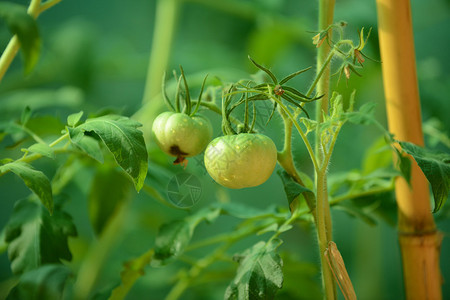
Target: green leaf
46 282
289 77
26 114
86 143
363 116
133 270
173 237
267 71
38 98
378 155
42 149
356 212
259 275
436 167
125 142
404 164
74 119
36 238
171 240
110 189
293 190
382 205
35 180
25 27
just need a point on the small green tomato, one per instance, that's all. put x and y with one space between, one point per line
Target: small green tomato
240 161
180 135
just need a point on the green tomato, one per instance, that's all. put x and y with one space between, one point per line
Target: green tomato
240 161
180 135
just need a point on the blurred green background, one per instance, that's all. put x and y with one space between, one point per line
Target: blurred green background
95 57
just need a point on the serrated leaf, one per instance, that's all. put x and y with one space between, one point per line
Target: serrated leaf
259 275
35 180
173 237
25 27
133 270
436 167
86 143
171 240
46 282
42 149
74 119
36 238
124 141
293 190
110 189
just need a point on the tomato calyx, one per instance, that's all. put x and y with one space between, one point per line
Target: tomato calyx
183 93
280 89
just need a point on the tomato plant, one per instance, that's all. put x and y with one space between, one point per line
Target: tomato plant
294 185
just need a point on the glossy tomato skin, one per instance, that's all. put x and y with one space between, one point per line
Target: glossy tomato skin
240 161
180 135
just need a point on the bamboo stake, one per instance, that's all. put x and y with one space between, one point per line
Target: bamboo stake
418 237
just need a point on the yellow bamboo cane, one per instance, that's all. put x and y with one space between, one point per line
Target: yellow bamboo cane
418 237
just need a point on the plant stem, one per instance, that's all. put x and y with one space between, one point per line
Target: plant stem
165 22
373 191
326 11
323 234
200 265
98 253
34 9
286 160
300 131
33 135
323 221
419 239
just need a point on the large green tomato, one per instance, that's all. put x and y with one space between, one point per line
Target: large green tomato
180 135
240 161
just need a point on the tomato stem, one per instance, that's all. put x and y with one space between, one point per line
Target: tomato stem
323 223
164 29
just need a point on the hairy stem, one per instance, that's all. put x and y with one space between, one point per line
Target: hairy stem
323 223
286 160
322 234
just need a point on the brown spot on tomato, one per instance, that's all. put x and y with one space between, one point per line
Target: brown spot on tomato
175 151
